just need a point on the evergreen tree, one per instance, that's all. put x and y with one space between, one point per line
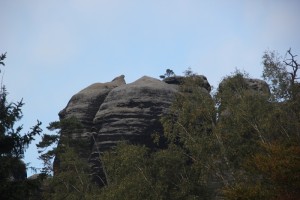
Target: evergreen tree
238 144
13 183
71 178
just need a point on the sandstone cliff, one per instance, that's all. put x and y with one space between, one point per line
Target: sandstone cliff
115 111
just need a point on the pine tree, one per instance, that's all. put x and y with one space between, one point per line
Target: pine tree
68 176
13 183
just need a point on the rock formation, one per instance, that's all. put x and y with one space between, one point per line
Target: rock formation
115 111
85 104
255 86
132 111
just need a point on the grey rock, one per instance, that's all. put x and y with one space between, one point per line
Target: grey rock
177 80
132 111
254 85
85 104
258 85
113 112
33 177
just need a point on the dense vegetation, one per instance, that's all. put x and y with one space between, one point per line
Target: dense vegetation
238 143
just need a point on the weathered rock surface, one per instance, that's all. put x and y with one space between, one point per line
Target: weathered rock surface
112 112
132 111
258 85
115 111
255 85
85 104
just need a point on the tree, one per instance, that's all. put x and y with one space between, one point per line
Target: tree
181 170
238 144
13 183
48 146
261 141
281 74
189 127
71 178
169 73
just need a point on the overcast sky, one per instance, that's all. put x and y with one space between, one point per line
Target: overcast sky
57 47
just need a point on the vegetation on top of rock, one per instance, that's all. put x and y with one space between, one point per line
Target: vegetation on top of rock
169 73
154 139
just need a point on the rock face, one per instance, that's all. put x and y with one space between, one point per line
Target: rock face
132 111
115 111
85 104
255 85
258 85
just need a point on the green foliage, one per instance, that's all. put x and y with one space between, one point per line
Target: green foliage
71 178
238 144
125 168
261 143
2 58
281 74
242 113
13 143
182 170
48 146
169 73
137 173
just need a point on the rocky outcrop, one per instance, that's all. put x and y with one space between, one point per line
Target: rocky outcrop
130 112
258 85
115 111
255 86
85 104
133 111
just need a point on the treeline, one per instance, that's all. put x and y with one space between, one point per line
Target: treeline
238 143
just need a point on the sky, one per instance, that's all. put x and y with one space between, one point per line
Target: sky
55 48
